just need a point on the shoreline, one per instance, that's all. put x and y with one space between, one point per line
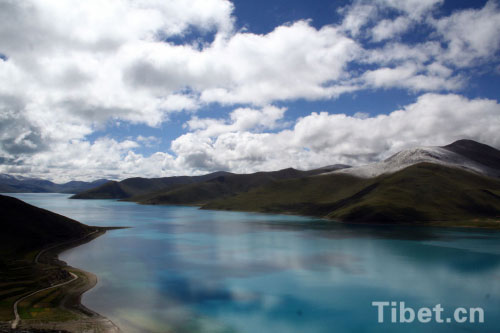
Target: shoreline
83 318
478 223
482 224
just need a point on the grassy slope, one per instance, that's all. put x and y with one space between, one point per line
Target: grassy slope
423 192
25 231
220 187
190 190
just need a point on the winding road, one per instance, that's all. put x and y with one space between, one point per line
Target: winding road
17 319
16 313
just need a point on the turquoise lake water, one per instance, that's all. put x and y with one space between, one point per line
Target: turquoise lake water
181 269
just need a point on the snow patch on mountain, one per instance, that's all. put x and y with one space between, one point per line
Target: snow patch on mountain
406 158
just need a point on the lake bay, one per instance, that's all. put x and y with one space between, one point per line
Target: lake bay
182 269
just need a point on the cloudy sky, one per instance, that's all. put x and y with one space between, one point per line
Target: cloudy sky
119 88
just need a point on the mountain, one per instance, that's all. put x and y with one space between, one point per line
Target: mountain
19 184
191 190
456 184
477 152
222 186
25 227
423 192
464 154
138 186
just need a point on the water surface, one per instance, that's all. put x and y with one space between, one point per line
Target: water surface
181 269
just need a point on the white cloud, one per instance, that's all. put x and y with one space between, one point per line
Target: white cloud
415 9
241 119
80 59
148 141
357 16
72 67
253 143
71 55
363 14
472 34
396 53
321 138
93 25
413 77
82 160
386 29
293 61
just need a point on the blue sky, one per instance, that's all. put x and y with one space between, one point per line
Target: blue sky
159 88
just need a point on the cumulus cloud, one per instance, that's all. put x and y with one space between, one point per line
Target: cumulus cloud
68 68
72 54
357 16
386 29
293 61
80 159
17 134
415 9
472 35
257 143
241 119
322 138
148 141
434 77
80 57
363 13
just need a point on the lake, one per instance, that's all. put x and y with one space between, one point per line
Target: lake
181 269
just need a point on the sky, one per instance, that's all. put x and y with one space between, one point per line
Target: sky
154 88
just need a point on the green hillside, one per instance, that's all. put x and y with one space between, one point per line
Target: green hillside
222 186
423 192
191 189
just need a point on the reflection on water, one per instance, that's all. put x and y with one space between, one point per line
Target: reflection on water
180 269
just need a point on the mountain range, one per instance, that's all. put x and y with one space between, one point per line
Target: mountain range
193 190
19 184
459 182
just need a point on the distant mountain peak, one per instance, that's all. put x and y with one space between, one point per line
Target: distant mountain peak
467 143
20 184
464 154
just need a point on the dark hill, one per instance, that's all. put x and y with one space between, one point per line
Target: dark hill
109 190
25 227
477 152
139 186
420 193
191 189
220 187
77 186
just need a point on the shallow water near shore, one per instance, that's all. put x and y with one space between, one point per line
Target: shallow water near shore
181 269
